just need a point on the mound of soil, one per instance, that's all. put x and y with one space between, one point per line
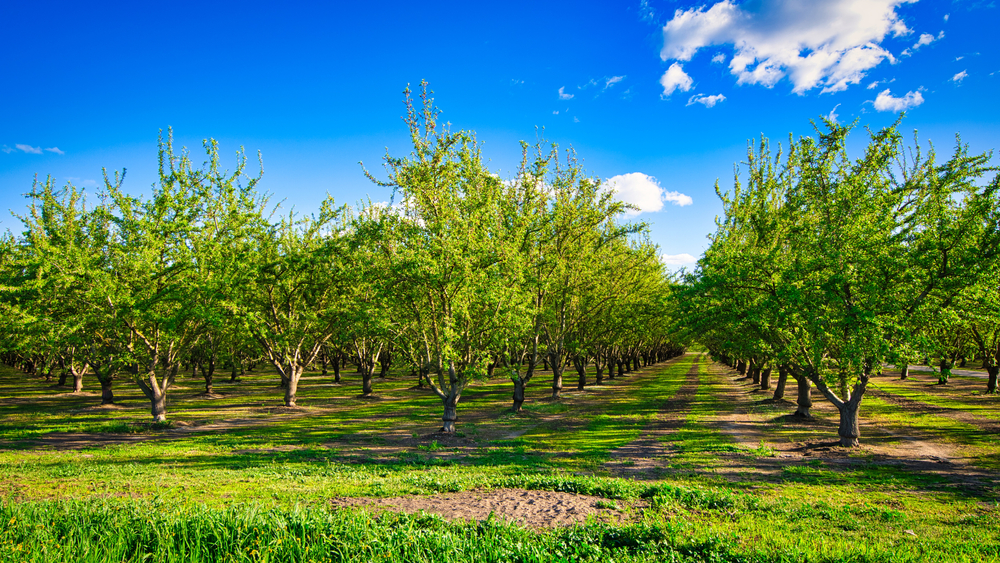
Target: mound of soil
531 508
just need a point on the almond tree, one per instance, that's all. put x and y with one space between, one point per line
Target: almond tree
290 289
453 269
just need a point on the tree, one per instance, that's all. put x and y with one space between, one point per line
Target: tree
452 262
871 245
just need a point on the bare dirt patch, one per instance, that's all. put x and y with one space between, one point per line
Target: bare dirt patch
535 509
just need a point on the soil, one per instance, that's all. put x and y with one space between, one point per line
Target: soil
534 509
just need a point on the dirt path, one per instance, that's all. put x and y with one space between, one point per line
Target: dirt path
642 458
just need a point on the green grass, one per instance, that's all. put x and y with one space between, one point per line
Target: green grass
258 490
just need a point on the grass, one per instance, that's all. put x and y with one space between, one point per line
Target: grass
255 484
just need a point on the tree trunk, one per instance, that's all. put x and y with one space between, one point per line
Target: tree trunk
519 385
208 372
450 414
765 378
600 373
557 373
779 388
62 378
945 373
173 374
803 399
849 429
366 379
581 371
107 395
336 368
292 388
904 371
234 374
991 384
78 380
621 372
156 394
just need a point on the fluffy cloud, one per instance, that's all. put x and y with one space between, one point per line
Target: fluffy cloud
675 79
563 95
885 101
719 58
959 77
55 150
827 43
644 192
682 259
707 101
925 39
677 198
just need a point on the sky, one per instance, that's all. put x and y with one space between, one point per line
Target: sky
657 97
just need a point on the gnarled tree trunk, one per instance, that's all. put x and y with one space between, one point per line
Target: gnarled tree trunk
779 388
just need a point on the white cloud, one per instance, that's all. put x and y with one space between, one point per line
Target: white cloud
609 82
563 95
29 149
677 198
719 58
55 150
959 77
576 119
958 58
885 101
819 43
9 150
707 101
644 192
555 112
946 16
833 114
682 259
925 39
675 79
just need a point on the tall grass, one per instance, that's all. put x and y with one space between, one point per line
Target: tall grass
128 530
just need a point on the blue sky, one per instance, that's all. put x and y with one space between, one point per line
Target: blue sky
658 96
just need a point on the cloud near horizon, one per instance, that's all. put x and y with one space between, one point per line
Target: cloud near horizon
682 259
828 43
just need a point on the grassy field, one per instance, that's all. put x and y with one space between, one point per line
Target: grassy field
681 461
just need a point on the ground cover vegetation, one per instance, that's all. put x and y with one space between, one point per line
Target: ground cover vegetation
315 368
